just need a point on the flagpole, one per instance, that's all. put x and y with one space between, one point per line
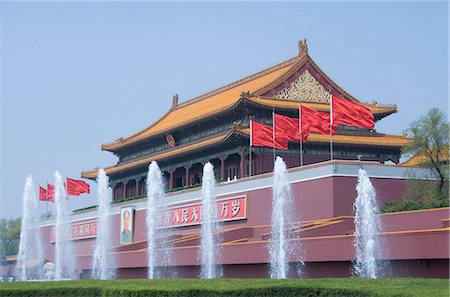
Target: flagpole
250 149
331 126
46 199
273 135
301 131
46 194
67 189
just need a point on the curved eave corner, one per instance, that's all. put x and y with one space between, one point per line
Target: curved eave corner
89 174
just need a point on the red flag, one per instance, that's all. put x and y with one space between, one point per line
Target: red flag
262 135
77 187
287 128
50 193
351 114
315 121
42 194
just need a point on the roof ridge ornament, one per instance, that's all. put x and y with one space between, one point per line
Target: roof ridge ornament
245 95
174 101
237 125
302 47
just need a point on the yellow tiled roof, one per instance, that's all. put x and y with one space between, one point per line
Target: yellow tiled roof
420 160
381 140
204 106
228 96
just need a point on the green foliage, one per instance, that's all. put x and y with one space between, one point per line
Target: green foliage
402 205
233 287
419 194
85 208
9 236
427 188
430 144
128 199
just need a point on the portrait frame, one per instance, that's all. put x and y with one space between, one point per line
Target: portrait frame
126 231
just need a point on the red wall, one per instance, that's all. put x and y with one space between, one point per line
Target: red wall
314 199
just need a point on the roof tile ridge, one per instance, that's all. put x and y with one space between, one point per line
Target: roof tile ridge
376 104
372 104
298 61
122 139
239 82
394 136
269 98
251 77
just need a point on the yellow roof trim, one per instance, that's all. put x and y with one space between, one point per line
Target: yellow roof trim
289 104
161 156
379 140
376 140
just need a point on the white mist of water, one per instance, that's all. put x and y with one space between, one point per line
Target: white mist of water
161 257
280 248
64 255
103 266
367 226
30 246
209 245
154 192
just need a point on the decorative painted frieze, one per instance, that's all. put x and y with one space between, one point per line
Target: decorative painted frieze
306 87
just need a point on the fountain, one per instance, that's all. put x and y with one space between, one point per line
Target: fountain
30 246
280 249
103 263
155 195
64 256
367 226
154 181
209 240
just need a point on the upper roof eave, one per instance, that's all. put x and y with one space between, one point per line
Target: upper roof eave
281 70
262 77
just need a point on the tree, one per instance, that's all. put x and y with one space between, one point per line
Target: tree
429 145
9 236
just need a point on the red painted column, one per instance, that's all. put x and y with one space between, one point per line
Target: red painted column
222 167
243 167
171 179
261 163
124 190
137 187
187 182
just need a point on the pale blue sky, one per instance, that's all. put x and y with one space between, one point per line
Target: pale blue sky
75 75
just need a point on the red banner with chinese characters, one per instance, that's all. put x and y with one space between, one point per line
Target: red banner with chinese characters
227 209
79 231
